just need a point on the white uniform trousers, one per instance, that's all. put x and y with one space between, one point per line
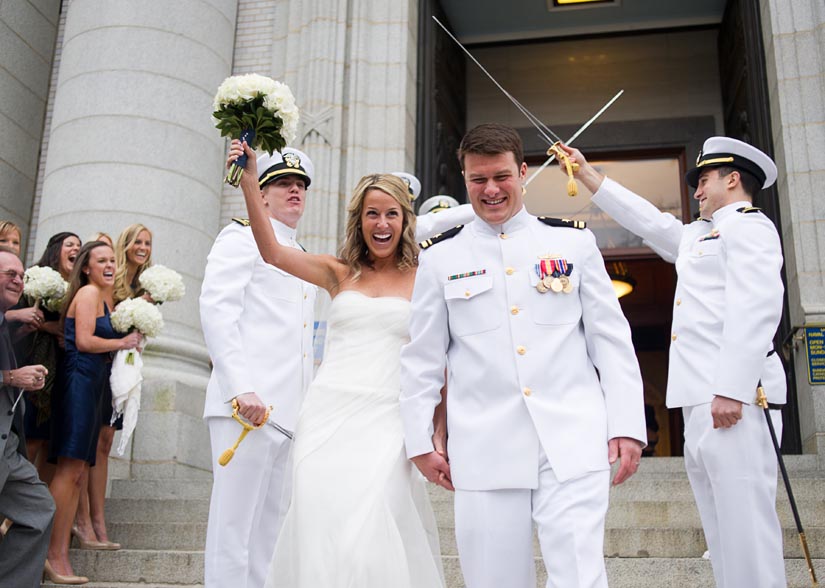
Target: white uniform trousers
249 500
733 476
494 532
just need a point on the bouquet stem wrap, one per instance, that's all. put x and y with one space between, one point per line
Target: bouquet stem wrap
233 178
126 381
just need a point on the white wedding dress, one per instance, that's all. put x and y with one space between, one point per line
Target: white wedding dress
360 516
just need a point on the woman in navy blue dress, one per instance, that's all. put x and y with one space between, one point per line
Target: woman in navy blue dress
89 338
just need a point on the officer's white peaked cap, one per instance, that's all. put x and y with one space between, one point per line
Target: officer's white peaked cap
289 162
413 183
724 151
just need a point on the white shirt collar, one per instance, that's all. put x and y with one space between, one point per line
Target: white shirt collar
283 231
515 222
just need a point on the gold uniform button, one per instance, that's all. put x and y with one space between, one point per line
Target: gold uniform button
673 337
514 310
467 293
700 253
527 391
678 302
521 350
509 271
502 236
305 325
305 296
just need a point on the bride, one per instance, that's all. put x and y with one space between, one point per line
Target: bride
359 517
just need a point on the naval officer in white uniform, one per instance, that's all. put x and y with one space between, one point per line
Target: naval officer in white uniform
257 322
726 310
544 387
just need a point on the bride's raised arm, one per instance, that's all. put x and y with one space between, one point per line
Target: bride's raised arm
325 271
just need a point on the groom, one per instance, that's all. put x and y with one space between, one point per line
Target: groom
544 387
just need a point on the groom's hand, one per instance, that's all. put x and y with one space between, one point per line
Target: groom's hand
435 468
251 408
629 451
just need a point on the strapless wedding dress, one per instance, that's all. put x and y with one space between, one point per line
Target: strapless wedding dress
360 516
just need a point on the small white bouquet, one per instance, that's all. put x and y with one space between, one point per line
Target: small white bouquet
162 284
43 285
258 110
126 377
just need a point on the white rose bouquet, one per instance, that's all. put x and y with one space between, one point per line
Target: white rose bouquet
258 110
43 285
126 377
162 284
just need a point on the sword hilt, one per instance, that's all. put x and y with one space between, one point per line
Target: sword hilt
227 455
563 157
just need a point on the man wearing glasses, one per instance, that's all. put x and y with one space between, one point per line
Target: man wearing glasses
23 497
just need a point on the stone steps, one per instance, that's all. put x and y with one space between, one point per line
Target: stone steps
163 570
653 533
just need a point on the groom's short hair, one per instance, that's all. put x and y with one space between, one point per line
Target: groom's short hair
491 139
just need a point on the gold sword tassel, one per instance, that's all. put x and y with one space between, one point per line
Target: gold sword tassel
227 455
561 155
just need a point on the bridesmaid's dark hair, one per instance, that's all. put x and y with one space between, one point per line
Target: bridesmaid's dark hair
78 278
51 256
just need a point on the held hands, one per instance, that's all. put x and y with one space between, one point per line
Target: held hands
586 173
435 468
726 412
629 451
30 377
250 406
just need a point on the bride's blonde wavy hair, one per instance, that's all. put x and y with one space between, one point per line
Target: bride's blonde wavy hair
354 250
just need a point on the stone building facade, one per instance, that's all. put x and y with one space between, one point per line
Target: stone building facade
105 114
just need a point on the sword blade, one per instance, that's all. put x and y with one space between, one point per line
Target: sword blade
543 129
285 432
575 136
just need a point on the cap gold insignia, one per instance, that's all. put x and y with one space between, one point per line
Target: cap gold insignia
292 160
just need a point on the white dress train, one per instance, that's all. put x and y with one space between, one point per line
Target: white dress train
360 516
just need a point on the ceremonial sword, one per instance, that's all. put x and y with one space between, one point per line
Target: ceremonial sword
544 131
762 400
227 455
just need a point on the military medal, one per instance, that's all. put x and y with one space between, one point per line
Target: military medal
566 285
541 287
556 285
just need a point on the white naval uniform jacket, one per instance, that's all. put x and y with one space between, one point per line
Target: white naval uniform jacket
257 322
728 299
522 365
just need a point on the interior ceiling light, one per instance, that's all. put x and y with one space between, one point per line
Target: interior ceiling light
574 2
623 283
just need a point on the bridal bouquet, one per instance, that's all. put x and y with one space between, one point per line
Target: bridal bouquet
131 314
258 110
162 284
43 285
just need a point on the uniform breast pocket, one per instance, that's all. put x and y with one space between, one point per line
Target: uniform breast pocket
555 308
277 283
708 249
471 305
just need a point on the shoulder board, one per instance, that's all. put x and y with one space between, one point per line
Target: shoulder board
747 209
244 222
441 237
563 222
702 219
